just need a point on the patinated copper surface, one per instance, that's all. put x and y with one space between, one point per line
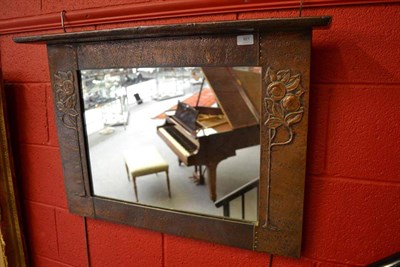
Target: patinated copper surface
284 140
281 48
208 28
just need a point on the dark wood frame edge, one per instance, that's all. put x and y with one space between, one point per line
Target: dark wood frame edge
10 216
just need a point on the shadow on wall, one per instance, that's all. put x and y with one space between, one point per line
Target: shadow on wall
347 63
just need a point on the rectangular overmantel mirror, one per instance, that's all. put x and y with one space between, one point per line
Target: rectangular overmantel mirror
196 130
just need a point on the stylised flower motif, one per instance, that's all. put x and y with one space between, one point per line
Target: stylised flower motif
68 87
276 90
66 98
291 103
283 102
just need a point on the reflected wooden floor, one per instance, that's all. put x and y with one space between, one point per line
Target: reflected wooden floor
110 178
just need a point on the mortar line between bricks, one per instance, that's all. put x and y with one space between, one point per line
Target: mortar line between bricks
44 204
25 82
56 228
318 262
55 261
40 145
357 180
314 262
62 209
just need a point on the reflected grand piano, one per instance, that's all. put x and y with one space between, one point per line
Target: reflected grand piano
207 135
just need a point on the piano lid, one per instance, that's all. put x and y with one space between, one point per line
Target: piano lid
232 96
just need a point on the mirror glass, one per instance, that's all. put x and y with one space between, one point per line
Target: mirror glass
176 138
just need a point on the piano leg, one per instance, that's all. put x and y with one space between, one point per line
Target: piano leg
212 180
198 177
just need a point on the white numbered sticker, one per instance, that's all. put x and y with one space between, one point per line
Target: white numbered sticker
245 39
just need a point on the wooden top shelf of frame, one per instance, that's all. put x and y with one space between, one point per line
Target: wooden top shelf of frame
188 29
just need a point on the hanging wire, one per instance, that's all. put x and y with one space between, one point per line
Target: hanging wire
62 20
301 8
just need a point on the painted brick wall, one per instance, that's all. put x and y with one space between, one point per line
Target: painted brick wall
352 208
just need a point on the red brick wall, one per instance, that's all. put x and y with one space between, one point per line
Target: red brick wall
352 207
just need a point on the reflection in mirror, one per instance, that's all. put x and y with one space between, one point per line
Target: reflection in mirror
175 138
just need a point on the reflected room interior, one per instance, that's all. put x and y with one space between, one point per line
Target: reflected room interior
187 124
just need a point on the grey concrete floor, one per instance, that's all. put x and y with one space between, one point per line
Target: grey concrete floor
110 179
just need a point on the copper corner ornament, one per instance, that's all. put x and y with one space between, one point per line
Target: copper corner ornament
66 99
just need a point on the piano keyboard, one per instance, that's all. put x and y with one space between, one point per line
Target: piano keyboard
181 139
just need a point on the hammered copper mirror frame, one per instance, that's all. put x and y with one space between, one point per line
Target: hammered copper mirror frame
280 46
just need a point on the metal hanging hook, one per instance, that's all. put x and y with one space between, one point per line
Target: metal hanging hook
62 20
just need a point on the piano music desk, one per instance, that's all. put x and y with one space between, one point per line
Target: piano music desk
145 161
